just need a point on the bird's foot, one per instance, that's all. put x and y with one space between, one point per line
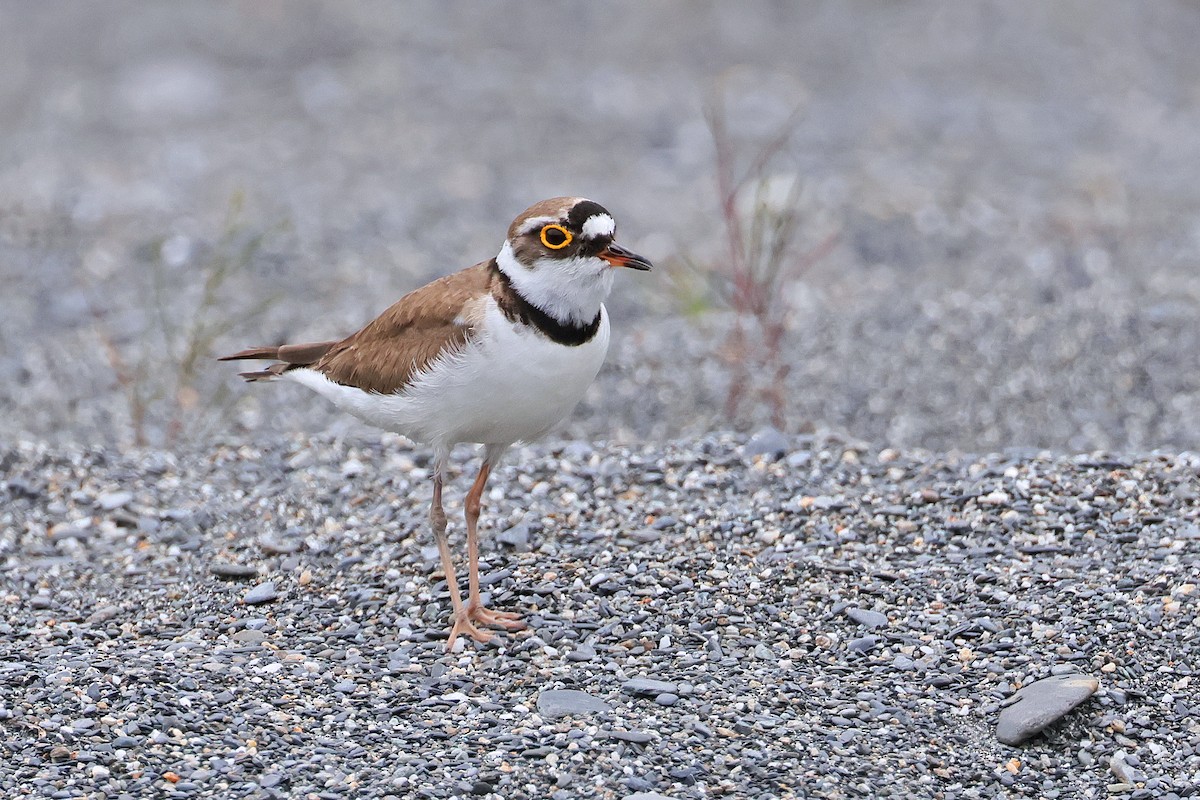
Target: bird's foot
496 619
464 623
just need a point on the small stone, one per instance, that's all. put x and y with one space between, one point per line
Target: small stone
554 703
767 443
863 644
648 687
1040 704
867 618
248 636
643 535
1125 772
111 501
279 547
263 593
634 737
584 652
232 571
516 537
667 699
996 498
646 796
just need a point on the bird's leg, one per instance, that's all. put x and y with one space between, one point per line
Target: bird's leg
437 517
475 607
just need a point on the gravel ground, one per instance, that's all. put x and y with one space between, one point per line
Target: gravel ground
825 620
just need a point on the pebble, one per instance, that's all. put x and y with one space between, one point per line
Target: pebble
249 636
1040 704
584 652
227 569
702 647
769 443
111 501
516 537
263 593
642 687
863 644
867 618
554 703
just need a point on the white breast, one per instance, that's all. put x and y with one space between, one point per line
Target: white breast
511 383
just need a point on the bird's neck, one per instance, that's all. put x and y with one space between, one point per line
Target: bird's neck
569 290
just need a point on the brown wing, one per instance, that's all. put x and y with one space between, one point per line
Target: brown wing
402 341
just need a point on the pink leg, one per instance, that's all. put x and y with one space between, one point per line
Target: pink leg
475 609
437 517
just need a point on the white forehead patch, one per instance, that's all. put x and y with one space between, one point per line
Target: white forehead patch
599 225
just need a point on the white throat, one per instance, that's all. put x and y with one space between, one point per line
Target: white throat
569 289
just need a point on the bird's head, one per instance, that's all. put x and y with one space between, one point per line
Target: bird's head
560 256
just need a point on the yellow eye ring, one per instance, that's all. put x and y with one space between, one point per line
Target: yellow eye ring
547 230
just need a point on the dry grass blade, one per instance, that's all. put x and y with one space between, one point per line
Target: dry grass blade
762 226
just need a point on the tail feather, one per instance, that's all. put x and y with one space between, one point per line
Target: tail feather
273 371
289 356
253 352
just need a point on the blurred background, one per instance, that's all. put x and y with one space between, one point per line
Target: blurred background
966 226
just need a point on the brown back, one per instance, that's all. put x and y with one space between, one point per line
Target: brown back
402 341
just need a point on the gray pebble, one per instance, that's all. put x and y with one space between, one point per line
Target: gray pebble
516 537
554 703
227 569
111 501
263 593
584 652
249 636
863 644
642 687
866 617
767 442
1040 704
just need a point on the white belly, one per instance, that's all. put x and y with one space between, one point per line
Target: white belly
510 384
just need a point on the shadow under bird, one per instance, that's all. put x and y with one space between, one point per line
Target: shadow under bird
493 354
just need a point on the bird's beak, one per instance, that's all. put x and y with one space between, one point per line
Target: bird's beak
620 257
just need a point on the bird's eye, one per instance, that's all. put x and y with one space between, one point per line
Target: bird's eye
556 237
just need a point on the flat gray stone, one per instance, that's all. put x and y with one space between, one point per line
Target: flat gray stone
584 652
516 537
646 796
263 593
867 618
248 636
1040 704
111 501
768 442
228 569
553 703
643 687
